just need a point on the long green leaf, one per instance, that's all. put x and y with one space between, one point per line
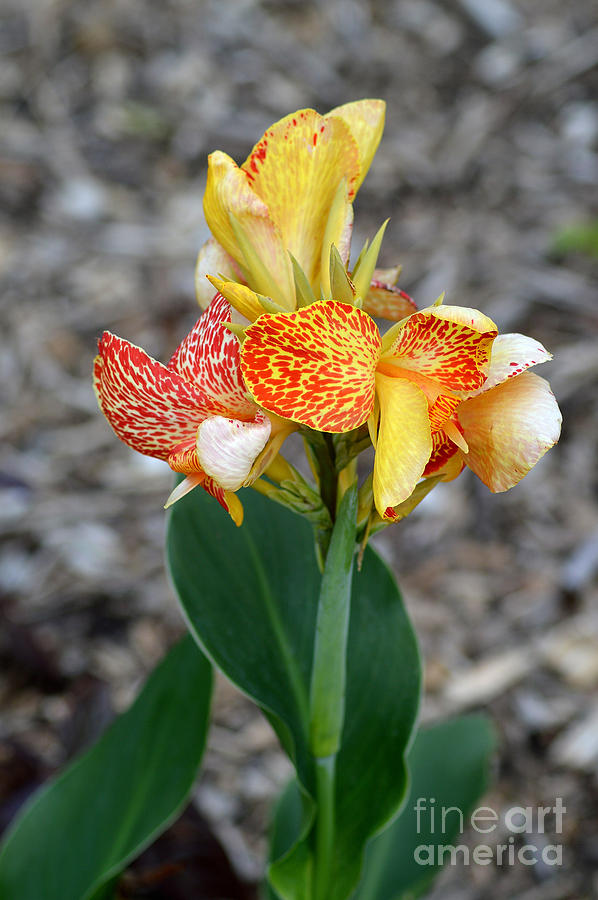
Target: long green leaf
82 829
449 763
250 597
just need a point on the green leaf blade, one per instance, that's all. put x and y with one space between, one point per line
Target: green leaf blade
449 762
250 596
82 829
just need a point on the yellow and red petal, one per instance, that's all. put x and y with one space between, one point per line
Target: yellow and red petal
228 448
365 119
213 260
446 458
296 169
509 428
228 193
151 407
512 354
449 344
209 358
227 499
385 301
404 442
315 366
442 409
183 458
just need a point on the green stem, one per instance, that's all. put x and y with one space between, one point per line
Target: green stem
322 448
329 672
325 772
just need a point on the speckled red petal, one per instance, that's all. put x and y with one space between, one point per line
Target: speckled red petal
315 366
452 345
150 407
443 451
209 358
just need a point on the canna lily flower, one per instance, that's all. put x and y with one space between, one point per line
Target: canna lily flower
293 195
194 413
434 393
504 427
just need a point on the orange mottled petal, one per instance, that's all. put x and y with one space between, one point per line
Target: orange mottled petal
388 302
184 458
228 448
442 409
509 428
228 192
209 358
404 442
212 260
512 354
452 345
150 407
314 366
365 119
446 458
296 169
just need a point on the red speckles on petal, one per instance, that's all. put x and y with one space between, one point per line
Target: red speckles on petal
315 366
443 449
451 353
443 409
150 407
183 458
209 358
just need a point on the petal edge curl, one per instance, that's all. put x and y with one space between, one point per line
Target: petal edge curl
509 428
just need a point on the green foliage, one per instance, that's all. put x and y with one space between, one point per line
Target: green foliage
250 596
581 238
80 831
449 762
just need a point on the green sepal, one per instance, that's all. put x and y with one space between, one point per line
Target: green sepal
364 269
303 290
341 287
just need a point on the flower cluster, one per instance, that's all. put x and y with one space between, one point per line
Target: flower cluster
288 340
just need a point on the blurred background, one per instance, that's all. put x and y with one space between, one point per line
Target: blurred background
488 169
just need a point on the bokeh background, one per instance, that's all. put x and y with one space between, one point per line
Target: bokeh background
489 171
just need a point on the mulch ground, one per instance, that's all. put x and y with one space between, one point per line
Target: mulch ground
490 151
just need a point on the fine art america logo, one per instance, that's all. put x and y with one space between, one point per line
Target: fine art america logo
520 829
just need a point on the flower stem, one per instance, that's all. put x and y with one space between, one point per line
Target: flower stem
329 670
325 772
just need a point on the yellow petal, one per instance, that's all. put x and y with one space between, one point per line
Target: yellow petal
212 260
241 297
365 119
404 442
339 227
296 169
233 210
509 428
